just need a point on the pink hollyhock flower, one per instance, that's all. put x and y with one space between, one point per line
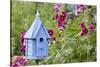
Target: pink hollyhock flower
22 60
18 61
51 32
56 7
77 9
59 23
84 31
17 64
82 25
60 20
82 7
22 37
63 16
91 27
22 48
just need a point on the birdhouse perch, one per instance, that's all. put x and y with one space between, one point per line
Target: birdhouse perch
36 40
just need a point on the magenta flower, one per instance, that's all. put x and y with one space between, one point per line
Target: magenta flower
84 31
18 61
60 20
82 25
22 37
63 16
17 64
80 7
56 7
91 27
51 32
59 23
22 48
22 60
77 9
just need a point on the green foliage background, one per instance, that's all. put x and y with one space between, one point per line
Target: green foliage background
73 49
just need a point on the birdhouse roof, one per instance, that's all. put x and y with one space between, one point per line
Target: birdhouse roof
34 28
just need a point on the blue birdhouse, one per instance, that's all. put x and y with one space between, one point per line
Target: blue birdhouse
36 40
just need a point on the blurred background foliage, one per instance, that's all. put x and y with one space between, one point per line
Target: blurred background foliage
74 48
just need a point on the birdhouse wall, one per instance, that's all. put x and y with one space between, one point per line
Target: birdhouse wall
30 48
41 43
41 48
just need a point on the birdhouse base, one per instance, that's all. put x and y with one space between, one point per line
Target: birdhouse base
36 57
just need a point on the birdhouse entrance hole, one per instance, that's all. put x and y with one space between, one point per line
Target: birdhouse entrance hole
41 39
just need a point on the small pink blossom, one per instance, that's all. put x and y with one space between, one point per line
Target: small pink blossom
17 64
82 25
61 19
84 31
56 7
22 47
91 27
51 32
18 61
22 37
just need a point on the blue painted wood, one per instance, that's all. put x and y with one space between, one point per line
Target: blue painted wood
42 47
26 48
33 47
29 47
36 40
32 32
